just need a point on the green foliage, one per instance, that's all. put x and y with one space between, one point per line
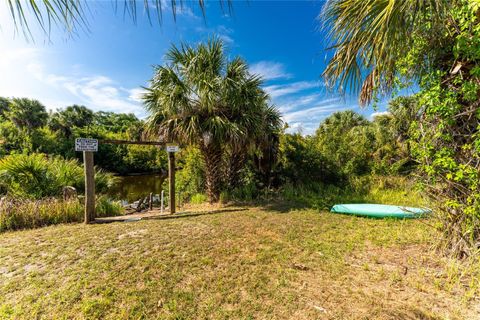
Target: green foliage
370 36
71 117
445 140
105 207
26 113
198 198
36 176
190 178
300 162
55 135
367 189
347 139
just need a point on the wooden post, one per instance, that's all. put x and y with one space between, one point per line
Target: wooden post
89 186
161 203
150 201
171 181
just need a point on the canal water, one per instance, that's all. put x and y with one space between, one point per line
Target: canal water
132 188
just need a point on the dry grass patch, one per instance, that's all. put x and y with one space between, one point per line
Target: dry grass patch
249 264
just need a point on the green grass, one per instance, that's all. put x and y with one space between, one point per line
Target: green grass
253 263
25 214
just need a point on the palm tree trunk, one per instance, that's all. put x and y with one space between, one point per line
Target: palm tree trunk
235 163
212 157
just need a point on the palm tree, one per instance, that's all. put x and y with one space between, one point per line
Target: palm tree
199 98
369 37
72 14
73 116
26 113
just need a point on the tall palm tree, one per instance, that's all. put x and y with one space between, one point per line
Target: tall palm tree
199 98
368 38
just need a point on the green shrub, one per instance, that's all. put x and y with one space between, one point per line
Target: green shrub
190 180
106 207
35 176
198 198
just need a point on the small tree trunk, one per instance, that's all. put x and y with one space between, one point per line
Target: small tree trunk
212 156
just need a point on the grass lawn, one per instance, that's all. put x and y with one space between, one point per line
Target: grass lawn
233 263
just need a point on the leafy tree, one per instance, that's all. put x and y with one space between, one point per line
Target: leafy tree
347 139
190 179
13 139
260 140
370 36
199 98
4 102
391 154
116 122
300 163
72 116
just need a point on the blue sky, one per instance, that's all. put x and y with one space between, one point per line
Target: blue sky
105 68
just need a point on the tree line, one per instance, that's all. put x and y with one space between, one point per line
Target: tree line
27 127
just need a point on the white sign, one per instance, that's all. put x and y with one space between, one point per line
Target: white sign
172 148
84 144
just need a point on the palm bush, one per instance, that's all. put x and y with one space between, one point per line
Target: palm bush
36 176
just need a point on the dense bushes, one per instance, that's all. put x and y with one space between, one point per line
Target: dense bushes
345 149
302 163
36 176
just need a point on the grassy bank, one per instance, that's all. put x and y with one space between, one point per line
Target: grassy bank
252 263
26 214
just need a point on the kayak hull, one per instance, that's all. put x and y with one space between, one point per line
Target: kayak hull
380 211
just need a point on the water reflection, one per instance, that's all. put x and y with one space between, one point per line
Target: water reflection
132 188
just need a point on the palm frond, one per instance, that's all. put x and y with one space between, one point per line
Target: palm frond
368 36
71 15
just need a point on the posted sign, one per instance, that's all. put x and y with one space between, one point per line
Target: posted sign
172 148
85 144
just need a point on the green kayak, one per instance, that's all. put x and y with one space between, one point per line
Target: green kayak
380 211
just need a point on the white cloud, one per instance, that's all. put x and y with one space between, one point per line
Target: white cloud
296 103
314 113
269 70
379 114
221 31
98 92
276 91
24 75
181 9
